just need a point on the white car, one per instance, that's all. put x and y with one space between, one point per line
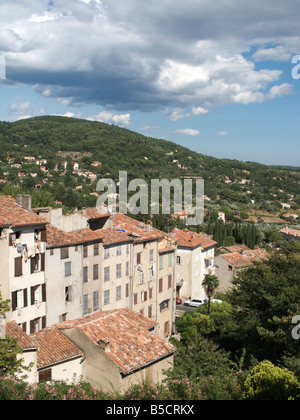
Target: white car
194 302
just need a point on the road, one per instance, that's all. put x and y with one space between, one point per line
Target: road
185 308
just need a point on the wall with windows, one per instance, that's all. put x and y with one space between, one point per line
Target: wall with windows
64 284
24 279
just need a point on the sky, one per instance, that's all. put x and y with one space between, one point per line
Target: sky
220 77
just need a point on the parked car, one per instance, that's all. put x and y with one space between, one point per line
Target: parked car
179 301
194 302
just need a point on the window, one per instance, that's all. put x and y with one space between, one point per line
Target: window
161 262
106 253
106 273
96 250
150 293
144 297
18 267
62 318
68 294
151 255
127 290
230 268
160 285
141 274
170 260
135 299
35 264
119 250
151 274
179 260
118 271
68 269
45 375
167 329
119 293
169 281
96 272
51 252
139 258
150 311
127 269
85 304
85 251
164 305
127 249
106 297
95 301
85 274
34 295
64 253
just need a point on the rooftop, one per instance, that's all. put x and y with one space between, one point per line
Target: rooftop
188 239
12 214
125 333
246 259
292 232
137 230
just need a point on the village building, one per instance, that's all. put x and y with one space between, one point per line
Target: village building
22 261
289 234
111 350
195 260
232 260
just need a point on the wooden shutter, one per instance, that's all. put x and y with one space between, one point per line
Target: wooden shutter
14 301
18 267
44 235
42 262
25 298
44 296
160 285
169 282
135 299
32 295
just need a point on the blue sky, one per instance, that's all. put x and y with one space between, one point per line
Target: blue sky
215 77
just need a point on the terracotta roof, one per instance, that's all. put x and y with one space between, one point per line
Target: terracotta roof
188 239
53 347
93 213
130 344
137 230
58 238
246 259
234 248
291 232
12 214
12 329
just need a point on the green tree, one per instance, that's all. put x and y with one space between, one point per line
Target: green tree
210 284
267 382
10 363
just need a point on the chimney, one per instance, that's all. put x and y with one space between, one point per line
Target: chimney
24 201
104 345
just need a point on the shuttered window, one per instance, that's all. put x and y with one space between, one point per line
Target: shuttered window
18 267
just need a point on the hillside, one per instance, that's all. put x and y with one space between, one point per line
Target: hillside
57 139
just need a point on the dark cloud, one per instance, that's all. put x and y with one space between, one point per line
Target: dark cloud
133 55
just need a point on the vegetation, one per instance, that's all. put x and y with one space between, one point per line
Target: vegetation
239 189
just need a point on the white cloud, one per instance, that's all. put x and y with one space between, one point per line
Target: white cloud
189 132
108 117
128 56
278 91
223 133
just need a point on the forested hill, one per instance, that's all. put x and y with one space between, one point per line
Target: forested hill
54 138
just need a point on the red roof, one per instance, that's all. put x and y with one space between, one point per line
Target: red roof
54 347
58 238
12 214
137 230
188 239
246 259
130 344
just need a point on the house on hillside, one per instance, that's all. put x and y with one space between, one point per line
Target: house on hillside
233 259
